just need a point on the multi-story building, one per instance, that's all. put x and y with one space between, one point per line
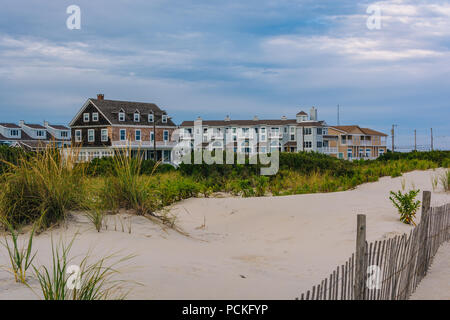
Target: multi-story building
103 126
257 136
353 142
33 136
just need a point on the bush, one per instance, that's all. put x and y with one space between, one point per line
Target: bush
406 205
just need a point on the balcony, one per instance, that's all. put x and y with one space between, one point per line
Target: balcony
330 150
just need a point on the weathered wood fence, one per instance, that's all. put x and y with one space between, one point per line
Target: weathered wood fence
390 269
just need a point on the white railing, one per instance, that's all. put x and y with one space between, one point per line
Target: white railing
329 149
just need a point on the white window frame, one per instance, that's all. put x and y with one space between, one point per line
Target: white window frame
78 136
152 136
95 116
151 117
16 132
89 135
164 118
86 117
164 135
135 135
138 118
104 137
125 134
122 116
39 133
64 134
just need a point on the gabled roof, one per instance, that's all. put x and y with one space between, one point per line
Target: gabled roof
354 129
302 113
110 109
10 125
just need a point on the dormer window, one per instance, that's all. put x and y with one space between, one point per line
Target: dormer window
64 134
164 118
121 116
86 117
40 133
150 117
14 133
136 117
95 116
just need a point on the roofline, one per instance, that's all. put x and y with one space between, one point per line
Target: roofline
84 108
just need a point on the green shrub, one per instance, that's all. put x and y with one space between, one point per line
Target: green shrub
406 205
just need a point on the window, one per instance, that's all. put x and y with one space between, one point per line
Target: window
319 144
77 135
263 149
137 135
137 117
123 134
121 116
341 155
104 135
308 131
91 135
40 133
164 118
152 136
368 153
86 117
14 133
150 117
380 152
344 139
285 129
307 144
349 153
319 131
95 116
166 135
64 134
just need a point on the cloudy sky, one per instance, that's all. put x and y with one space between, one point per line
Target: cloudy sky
243 58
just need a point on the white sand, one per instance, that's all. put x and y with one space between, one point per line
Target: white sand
436 285
251 248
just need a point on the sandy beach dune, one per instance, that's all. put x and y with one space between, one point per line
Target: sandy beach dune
238 248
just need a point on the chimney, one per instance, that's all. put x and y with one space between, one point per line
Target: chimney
21 123
100 96
255 118
283 118
227 118
46 124
313 114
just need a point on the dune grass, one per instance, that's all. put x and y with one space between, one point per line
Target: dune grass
65 280
41 187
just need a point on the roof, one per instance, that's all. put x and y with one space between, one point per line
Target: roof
356 129
24 137
10 125
109 108
302 113
58 127
269 122
34 126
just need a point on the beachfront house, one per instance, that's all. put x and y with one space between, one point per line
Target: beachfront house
352 142
103 126
302 133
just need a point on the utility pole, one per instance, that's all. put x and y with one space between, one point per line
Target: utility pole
393 134
415 140
431 139
338 120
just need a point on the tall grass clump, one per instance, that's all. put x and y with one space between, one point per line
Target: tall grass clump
41 187
64 280
20 258
445 180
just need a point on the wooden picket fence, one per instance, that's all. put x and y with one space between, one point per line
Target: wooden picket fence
390 269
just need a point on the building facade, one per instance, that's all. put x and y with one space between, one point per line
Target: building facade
353 142
304 133
103 126
34 137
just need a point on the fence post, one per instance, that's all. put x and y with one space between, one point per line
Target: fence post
426 201
423 257
360 265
